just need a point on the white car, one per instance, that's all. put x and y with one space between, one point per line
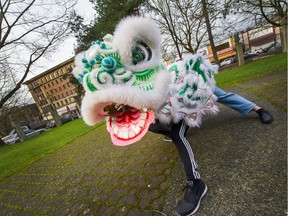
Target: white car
13 136
226 62
13 139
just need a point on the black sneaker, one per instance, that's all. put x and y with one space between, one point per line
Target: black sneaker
192 197
265 116
167 139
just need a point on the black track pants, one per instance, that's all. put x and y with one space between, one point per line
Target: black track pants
178 132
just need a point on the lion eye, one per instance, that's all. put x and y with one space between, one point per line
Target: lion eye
141 53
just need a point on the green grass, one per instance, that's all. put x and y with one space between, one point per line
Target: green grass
17 156
266 91
252 70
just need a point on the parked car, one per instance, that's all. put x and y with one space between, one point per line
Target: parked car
249 54
228 61
258 51
13 137
63 118
272 47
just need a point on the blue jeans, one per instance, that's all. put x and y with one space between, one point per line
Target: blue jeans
234 101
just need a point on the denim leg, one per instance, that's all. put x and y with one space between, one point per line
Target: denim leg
234 101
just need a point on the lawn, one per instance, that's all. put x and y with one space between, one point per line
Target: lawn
255 69
17 156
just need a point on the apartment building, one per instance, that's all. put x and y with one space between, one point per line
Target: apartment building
52 90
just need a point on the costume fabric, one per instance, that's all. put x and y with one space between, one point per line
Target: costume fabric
177 132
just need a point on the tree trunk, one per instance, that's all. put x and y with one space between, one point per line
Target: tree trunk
2 143
283 32
208 26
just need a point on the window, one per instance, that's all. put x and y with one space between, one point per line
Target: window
66 101
48 85
52 83
222 46
60 88
62 103
56 81
64 86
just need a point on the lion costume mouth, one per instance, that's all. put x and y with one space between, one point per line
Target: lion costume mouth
126 124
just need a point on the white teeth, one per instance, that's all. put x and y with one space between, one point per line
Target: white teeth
145 109
141 123
113 124
125 135
137 129
131 134
143 116
115 130
120 135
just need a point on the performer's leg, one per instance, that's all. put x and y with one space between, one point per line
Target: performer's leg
234 101
178 133
242 105
195 188
160 128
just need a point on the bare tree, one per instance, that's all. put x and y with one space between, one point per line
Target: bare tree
272 11
209 30
181 22
30 29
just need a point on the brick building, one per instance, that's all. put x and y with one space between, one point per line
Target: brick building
52 90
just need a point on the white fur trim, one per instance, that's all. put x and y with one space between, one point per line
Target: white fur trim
94 102
131 30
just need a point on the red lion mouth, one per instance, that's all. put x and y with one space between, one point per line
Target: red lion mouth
126 124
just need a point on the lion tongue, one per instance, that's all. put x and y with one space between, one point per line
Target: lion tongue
128 117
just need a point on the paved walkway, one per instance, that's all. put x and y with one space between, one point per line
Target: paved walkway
243 162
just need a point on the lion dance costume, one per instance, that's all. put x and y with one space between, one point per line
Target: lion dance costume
127 84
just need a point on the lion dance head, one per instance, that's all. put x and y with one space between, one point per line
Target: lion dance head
124 79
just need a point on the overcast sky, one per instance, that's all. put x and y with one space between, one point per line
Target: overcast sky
66 50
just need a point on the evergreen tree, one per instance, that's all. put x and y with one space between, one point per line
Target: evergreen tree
108 14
